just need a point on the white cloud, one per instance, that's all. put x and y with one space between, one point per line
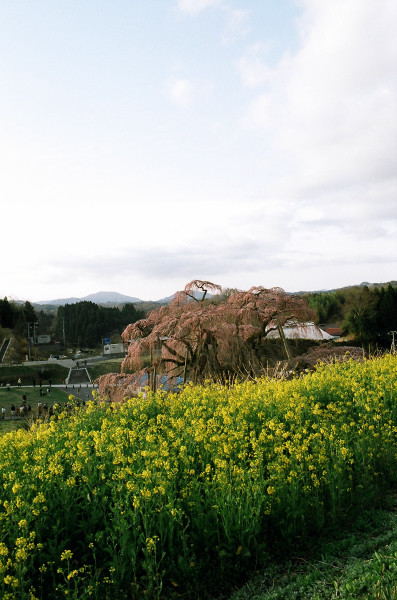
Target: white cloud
181 92
184 91
193 7
332 107
252 66
329 115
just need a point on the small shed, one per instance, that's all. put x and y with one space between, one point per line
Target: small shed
114 348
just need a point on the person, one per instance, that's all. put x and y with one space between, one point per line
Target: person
19 382
12 409
3 413
8 387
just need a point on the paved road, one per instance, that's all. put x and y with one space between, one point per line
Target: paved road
70 362
77 376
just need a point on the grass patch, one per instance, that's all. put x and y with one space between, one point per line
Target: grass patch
104 368
27 373
358 562
14 397
13 425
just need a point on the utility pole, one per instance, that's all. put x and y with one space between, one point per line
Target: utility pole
35 325
29 341
63 332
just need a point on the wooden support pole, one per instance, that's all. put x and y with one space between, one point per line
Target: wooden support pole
287 352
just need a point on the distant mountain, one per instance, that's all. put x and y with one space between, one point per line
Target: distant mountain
98 298
112 298
197 295
166 300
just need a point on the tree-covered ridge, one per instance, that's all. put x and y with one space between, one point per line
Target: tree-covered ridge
369 314
86 323
16 316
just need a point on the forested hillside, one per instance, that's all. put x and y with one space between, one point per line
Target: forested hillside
366 313
86 323
83 324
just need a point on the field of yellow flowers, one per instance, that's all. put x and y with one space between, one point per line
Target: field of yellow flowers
170 495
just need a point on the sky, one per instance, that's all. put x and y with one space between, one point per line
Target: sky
144 144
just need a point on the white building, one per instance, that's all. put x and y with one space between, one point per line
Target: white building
114 348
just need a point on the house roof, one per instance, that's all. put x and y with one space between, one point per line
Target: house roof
304 331
334 331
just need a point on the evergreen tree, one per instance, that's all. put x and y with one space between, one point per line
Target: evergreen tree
362 316
387 313
7 314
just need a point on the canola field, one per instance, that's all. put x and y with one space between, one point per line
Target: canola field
170 496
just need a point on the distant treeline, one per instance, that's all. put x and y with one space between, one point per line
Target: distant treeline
369 314
85 323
